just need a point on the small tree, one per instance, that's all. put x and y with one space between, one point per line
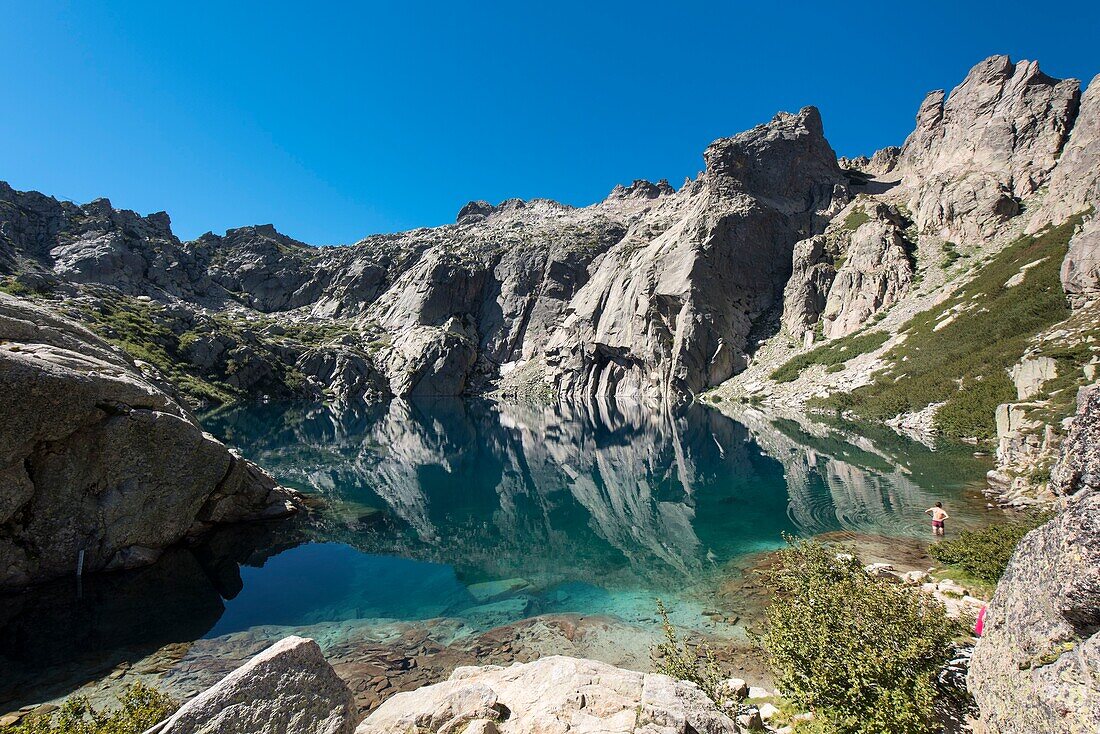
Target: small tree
861 652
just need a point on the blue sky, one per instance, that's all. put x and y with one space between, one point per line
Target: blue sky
333 122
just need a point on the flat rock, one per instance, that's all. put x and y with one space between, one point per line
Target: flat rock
552 694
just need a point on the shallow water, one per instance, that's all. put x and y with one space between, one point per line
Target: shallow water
488 514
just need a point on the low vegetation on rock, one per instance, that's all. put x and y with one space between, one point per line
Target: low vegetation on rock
698 665
960 351
831 354
984 554
860 652
140 707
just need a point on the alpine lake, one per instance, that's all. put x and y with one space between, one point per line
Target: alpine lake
448 532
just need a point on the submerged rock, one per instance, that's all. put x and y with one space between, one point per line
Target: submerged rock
552 694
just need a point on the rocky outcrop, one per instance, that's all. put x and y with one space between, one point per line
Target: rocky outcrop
862 265
876 273
289 688
552 694
976 153
1037 665
1081 268
97 460
667 312
1075 182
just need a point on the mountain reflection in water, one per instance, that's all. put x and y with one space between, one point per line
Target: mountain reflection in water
488 513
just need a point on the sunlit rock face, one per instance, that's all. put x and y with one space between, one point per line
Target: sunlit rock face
668 311
649 293
976 153
100 467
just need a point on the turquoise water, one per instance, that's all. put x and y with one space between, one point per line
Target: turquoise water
489 514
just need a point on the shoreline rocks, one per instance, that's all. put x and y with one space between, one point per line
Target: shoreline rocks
100 467
1036 666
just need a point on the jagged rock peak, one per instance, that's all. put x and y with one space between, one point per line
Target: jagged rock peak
779 160
475 211
642 189
1005 118
882 162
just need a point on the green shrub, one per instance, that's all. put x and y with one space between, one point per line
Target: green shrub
859 651
140 708
855 218
983 554
831 354
964 364
678 660
950 254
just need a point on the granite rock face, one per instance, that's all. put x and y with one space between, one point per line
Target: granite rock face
1075 181
849 274
95 457
1037 665
976 153
876 273
289 688
549 695
668 311
650 293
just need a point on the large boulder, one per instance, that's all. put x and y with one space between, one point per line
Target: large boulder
552 694
1037 666
95 458
288 688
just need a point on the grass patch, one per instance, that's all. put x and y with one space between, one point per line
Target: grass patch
983 554
855 219
831 354
965 363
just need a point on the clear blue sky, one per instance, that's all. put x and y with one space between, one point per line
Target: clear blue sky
334 123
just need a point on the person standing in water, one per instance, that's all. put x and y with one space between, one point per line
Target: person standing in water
938 516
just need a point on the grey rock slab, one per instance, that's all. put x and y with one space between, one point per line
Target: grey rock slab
288 688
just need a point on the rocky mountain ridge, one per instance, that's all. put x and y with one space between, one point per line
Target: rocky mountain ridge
773 253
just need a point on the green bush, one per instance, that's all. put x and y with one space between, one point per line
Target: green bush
831 354
140 708
678 660
860 652
984 554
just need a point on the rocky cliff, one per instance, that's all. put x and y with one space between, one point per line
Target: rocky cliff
650 293
994 187
100 463
1037 666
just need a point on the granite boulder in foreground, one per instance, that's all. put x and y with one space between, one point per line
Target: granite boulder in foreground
97 457
288 688
552 694
1037 666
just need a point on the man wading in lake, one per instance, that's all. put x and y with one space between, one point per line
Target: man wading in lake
938 516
